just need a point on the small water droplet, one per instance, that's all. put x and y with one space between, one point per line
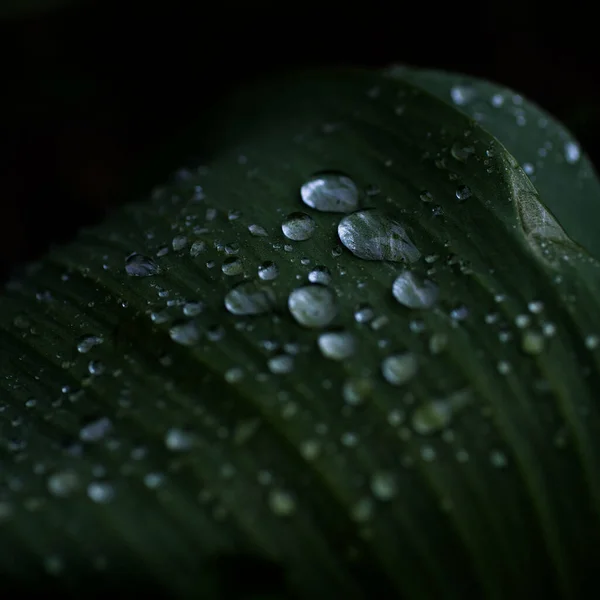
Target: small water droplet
430 417
87 342
313 305
249 298
363 313
372 235
398 369
191 309
357 390
281 503
281 364
461 94
257 230
320 274
197 248
330 192
96 367
138 265
100 492
460 152
179 440
336 345
63 483
96 430
426 197
179 242
384 486
462 193
185 333
572 152
298 226
268 271
412 292
232 266
533 342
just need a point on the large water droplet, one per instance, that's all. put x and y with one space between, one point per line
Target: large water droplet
336 345
249 298
398 369
412 292
232 266
330 192
298 226
313 305
138 265
372 235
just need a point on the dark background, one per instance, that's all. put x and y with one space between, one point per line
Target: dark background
93 89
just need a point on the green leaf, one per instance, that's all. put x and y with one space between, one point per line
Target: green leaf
168 412
545 149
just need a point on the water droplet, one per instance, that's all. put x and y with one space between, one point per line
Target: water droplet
411 292
179 440
430 417
372 235
232 266
249 298
268 271
330 192
282 503
138 265
533 342
461 94
462 193
460 152
185 333
592 341
572 152
96 367
191 309
257 230
336 345
426 197
356 390
281 364
63 483
313 305
95 431
320 274
398 369
100 492
197 248
384 486
298 226
87 342
179 242
364 313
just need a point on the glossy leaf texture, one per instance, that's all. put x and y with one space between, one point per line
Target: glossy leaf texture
352 355
548 153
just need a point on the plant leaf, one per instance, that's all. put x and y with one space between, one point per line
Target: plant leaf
169 412
547 151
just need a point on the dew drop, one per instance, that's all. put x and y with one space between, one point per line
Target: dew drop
320 274
281 364
372 235
462 193
232 266
138 265
430 417
281 503
398 369
533 342
179 440
384 486
363 313
197 248
572 152
257 230
86 343
411 292
185 333
179 242
336 345
268 271
63 483
356 390
330 192
298 226
100 492
313 306
249 298
460 152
